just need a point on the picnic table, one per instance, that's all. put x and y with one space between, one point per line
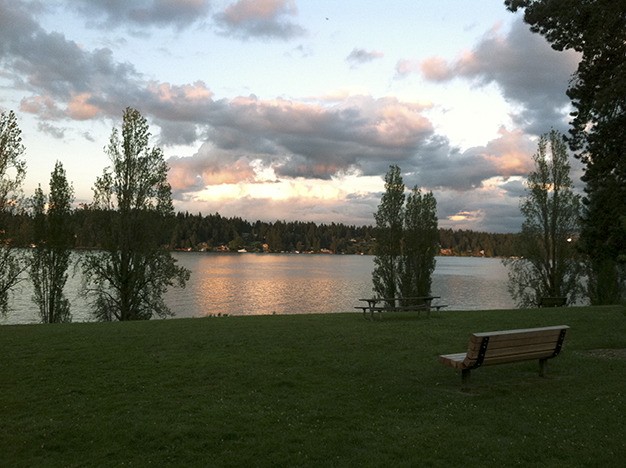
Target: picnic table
397 304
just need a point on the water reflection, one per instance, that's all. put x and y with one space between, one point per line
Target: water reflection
247 284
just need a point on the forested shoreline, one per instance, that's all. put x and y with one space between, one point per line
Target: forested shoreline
213 232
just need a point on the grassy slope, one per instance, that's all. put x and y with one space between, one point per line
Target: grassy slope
308 390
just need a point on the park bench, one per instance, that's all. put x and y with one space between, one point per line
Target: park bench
502 347
552 301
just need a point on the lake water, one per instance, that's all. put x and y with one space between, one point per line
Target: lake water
254 284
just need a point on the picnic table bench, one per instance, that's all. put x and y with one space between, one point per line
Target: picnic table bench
415 304
501 347
552 301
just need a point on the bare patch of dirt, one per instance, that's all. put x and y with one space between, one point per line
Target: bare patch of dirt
619 353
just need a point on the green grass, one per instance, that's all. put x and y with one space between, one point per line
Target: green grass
308 390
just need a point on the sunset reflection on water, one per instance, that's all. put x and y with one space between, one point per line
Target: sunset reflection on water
262 284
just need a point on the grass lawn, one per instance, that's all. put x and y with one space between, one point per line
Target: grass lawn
310 390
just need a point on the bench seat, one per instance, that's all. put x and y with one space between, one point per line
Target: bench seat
381 309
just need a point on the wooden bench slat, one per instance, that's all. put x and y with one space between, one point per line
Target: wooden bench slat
535 348
519 341
522 332
493 347
491 361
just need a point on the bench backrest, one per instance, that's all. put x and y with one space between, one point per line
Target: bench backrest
500 347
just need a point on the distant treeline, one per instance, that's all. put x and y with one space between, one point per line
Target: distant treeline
217 233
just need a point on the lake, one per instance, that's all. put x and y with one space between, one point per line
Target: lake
254 284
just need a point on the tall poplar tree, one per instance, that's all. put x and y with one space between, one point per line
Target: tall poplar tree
50 259
389 220
419 246
549 265
128 278
12 173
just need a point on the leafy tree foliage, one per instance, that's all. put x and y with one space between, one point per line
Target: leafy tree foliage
12 173
389 220
549 266
210 232
420 244
406 240
128 278
50 259
596 29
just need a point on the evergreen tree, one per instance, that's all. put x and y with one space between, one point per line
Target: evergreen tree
12 173
548 266
596 29
50 259
128 278
419 246
389 220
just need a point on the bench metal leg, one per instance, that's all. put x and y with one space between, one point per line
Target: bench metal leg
543 366
465 378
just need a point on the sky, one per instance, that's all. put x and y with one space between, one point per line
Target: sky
291 110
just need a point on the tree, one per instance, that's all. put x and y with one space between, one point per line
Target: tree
128 278
12 173
389 219
549 266
50 259
419 246
596 29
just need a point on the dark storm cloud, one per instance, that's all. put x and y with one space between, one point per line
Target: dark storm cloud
268 19
527 70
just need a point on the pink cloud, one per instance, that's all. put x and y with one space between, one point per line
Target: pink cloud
435 69
209 166
79 107
510 153
44 107
166 92
250 10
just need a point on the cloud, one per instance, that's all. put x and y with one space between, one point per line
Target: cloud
144 13
405 67
298 144
53 131
528 71
209 166
64 80
80 108
309 141
67 82
43 106
268 19
440 165
361 56
299 152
